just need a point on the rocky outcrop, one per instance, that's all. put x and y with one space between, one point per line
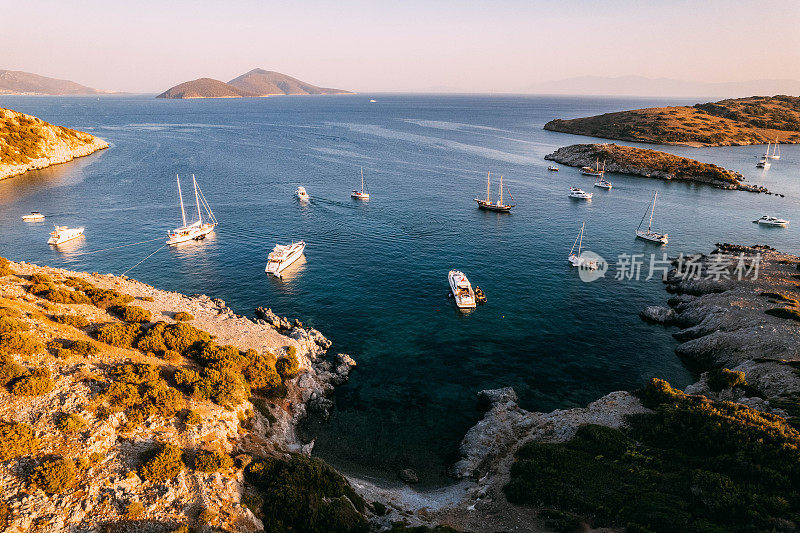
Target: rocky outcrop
650 164
28 143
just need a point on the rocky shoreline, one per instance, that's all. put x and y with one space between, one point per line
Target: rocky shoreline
651 164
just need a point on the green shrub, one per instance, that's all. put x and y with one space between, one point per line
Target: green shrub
16 439
147 298
70 422
164 464
139 391
77 283
39 278
54 476
40 289
20 343
305 494
134 511
10 312
183 316
95 458
36 383
10 370
192 419
133 313
171 356
781 297
85 348
212 461
152 339
72 320
106 298
722 378
137 373
12 325
220 358
64 296
5 267
253 501
186 377
181 337
785 312
288 365
119 335
260 371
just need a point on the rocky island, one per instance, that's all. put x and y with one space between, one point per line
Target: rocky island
19 82
257 82
651 164
29 143
732 122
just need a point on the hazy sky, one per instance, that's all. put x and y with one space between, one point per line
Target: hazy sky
403 45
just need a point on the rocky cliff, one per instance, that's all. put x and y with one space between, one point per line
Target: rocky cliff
29 143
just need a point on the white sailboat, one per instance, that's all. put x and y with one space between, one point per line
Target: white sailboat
603 183
196 230
282 256
360 195
764 161
461 289
650 235
776 151
63 234
578 260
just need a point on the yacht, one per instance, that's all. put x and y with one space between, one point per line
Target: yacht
360 195
597 172
282 256
552 168
603 184
63 234
578 260
772 221
33 217
461 289
650 235
302 195
196 230
498 206
776 151
764 161
575 192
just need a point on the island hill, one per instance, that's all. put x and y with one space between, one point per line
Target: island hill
29 143
257 82
18 82
739 121
651 164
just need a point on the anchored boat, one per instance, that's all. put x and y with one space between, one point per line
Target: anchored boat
282 256
461 289
362 194
772 221
578 260
575 192
650 235
552 168
196 230
63 234
33 217
597 172
302 195
498 206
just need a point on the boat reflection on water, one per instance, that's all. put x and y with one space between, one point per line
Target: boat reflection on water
72 248
291 274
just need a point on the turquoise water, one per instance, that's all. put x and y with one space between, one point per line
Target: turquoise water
375 276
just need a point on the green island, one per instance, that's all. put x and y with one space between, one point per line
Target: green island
731 122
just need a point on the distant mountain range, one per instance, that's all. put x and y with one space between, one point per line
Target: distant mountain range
257 82
664 87
18 82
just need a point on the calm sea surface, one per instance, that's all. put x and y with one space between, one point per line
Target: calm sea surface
375 276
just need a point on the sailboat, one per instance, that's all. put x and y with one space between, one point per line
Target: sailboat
650 235
498 206
764 161
776 151
360 195
589 171
196 230
577 260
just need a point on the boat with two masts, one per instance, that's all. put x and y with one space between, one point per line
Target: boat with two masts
461 289
596 172
362 194
497 206
776 151
63 234
650 235
197 230
578 259
282 256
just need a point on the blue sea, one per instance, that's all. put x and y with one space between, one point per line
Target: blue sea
375 275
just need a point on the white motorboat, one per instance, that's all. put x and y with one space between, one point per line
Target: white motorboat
497 206
33 217
198 230
461 289
597 172
362 194
578 260
302 195
650 235
63 234
575 192
552 168
772 221
603 184
372 101
282 256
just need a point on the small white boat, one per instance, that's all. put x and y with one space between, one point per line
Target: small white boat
552 168
603 184
575 192
597 172
33 217
372 101
360 195
302 195
63 234
776 151
198 230
578 260
282 256
650 235
461 289
763 163
772 221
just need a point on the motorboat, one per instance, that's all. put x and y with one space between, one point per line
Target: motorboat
63 234
362 194
576 192
282 256
197 230
650 235
302 195
497 206
772 221
33 217
461 289
552 168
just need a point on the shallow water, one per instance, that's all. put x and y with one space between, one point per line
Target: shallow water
375 276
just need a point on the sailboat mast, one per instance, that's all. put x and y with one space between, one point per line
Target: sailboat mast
652 211
501 189
197 199
180 196
362 180
580 243
488 184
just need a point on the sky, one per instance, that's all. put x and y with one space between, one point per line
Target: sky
402 45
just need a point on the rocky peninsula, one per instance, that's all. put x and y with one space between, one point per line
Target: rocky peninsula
650 164
732 122
28 143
